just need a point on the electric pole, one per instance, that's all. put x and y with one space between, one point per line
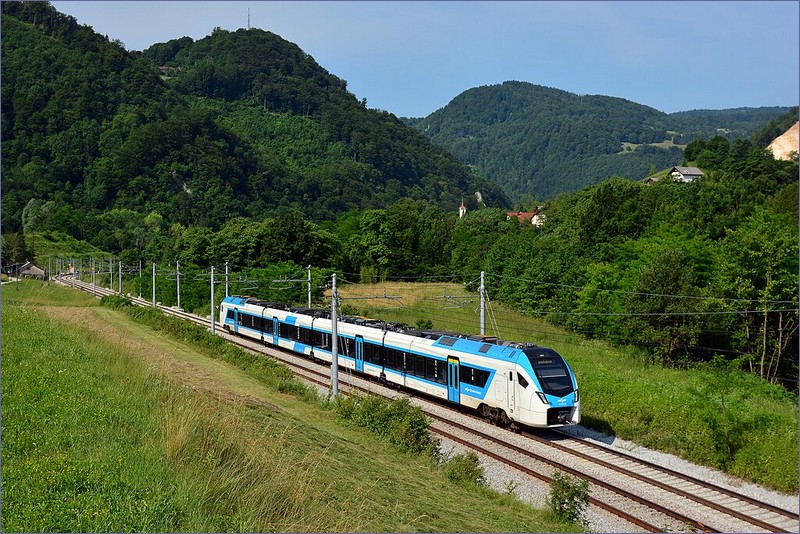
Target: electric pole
334 342
483 305
154 284
213 325
309 285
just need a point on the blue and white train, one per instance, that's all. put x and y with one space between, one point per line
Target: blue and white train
513 384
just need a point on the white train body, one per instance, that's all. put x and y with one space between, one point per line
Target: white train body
509 382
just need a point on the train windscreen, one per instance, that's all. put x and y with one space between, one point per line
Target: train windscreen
551 370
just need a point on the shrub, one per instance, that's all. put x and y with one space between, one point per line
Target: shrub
568 498
424 324
402 424
115 301
465 469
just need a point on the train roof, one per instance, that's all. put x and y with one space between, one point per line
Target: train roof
488 345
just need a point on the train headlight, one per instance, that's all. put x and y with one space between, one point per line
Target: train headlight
577 396
542 397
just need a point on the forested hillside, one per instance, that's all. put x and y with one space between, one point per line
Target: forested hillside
687 273
537 141
249 125
683 273
248 162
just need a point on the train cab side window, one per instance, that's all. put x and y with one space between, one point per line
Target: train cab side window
522 381
230 314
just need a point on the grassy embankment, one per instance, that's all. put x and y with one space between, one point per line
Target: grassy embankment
111 426
727 420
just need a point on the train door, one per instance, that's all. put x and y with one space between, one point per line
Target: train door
360 354
453 380
275 331
262 325
512 393
500 389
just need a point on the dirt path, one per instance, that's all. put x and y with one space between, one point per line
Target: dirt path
173 360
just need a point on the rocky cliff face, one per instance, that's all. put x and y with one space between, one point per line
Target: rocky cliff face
783 146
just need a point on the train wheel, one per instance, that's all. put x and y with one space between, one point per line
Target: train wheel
504 420
485 412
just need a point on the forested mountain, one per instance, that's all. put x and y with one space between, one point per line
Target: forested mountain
539 141
248 125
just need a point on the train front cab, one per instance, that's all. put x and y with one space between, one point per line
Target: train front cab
555 402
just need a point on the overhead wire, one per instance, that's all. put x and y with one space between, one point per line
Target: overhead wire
643 294
520 330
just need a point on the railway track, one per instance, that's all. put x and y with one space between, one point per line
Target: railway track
648 496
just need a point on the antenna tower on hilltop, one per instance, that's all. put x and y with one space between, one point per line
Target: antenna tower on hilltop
248 18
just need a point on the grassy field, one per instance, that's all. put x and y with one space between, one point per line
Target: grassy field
728 420
667 144
109 425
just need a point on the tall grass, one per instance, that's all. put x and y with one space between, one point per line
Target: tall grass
79 451
242 479
94 441
399 422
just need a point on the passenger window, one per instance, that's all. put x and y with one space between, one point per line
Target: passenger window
419 366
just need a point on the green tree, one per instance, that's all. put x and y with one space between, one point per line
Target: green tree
37 215
759 264
369 248
16 248
662 307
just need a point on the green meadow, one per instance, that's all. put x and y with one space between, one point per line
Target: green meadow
119 420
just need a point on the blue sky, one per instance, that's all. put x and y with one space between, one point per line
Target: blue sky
412 57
